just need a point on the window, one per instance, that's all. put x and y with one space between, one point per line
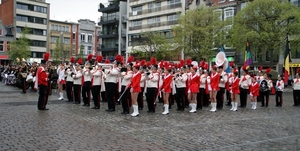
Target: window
22 18
136 23
67 29
82 37
1 32
40 9
221 1
54 39
90 38
218 13
74 36
174 2
1 45
243 5
52 27
38 43
89 47
37 54
153 20
138 8
22 6
56 27
229 13
173 17
67 40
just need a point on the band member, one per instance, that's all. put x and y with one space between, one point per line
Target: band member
296 89
270 86
96 85
152 89
135 89
61 80
180 82
86 87
264 90
166 88
126 76
23 72
214 83
33 71
52 75
193 89
245 82
77 77
111 86
258 78
142 85
69 84
42 83
228 84
222 84
234 90
254 92
279 89
204 93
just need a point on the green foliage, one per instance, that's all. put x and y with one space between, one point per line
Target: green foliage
57 50
153 44
20 48
265 24
198 32
81 53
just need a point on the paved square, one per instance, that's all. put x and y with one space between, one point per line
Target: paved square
73 127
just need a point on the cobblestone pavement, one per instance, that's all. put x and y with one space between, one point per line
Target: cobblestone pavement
73 127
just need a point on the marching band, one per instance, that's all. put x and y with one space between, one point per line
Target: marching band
130 84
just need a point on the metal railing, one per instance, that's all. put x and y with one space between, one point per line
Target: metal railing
108 18
158 24
156 9
109 45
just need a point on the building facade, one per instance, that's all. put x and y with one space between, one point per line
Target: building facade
5 37
33 14
114 29
60 35
87 36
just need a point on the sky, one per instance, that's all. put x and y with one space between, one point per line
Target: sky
73 10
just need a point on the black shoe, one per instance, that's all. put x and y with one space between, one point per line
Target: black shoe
77 102
87 105
180 109
23 92
96 107
140 108
45 109
84 105
262 105
125 112
110 110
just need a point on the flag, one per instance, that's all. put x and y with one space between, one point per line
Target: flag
287 61
248 57
228 67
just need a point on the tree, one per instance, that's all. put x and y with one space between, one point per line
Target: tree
20 48
199 31
265 24
81 53
153 44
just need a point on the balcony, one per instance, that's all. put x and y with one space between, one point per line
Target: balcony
108 34
124 19
157 9
109 8
108 20
159 24
108 47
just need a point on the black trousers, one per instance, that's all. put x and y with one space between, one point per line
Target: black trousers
77 92
96 95
23 83
110 94
69 90
204 97
86 92
220 98
125 98
151 98
140 99
180 98
278 98
243 97
43 97
264 95
296 95
228 97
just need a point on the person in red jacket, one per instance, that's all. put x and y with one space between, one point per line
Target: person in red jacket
234 90
42 84
254 92
193 90
214 82
166 88
135 89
